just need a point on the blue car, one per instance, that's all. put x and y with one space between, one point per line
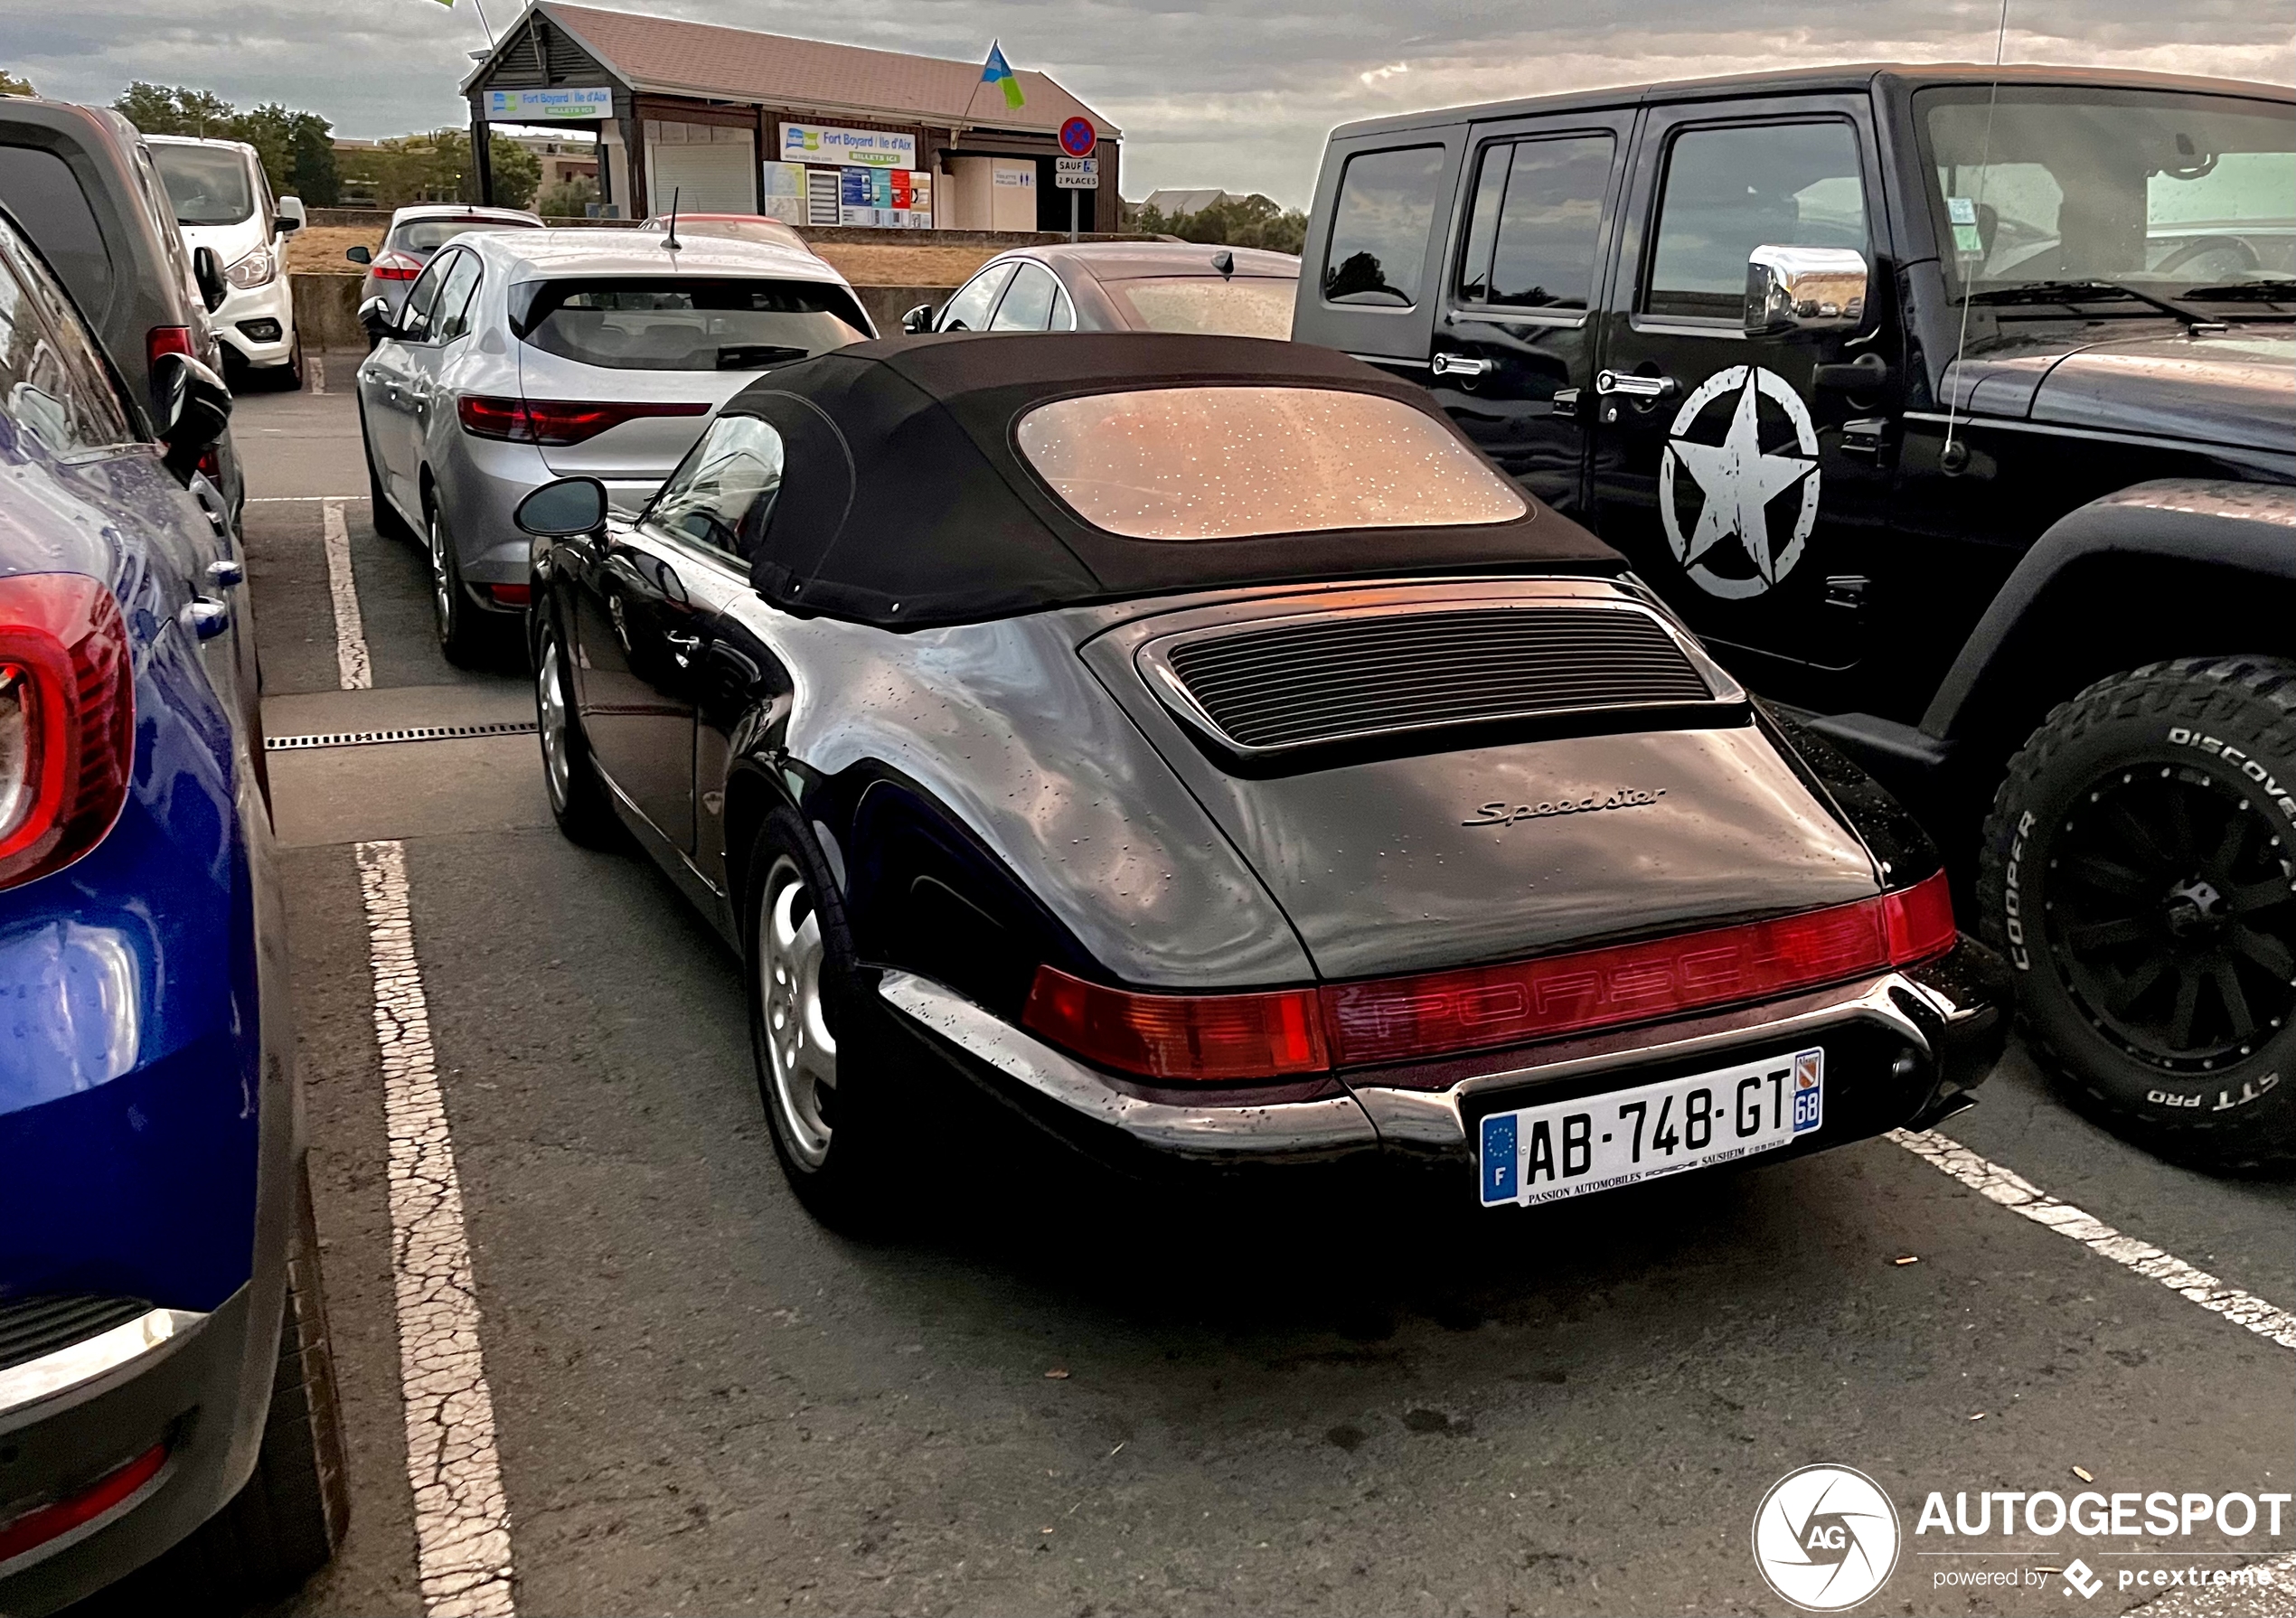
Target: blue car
165 1388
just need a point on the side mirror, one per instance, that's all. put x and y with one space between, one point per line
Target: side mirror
375 316
563 510
291 217
197 408
209 274
359 254
1804 289
917 321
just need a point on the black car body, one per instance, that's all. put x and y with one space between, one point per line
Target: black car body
81 184
1957 409
1056 708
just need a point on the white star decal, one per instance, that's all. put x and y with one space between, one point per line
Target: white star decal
1739 479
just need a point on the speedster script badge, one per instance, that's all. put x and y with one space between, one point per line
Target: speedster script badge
1506 814
1739 479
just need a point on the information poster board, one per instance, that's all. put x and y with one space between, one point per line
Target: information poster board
785 192
895 199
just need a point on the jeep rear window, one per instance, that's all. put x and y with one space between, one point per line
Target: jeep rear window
1227 463
1379 228
662 323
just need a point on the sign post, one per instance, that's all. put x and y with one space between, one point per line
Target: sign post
1077 169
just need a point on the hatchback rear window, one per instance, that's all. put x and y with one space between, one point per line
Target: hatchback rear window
429 235
1227 463
208 185
1246 307
657 323
44 195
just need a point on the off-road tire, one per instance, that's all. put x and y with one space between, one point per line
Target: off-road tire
2218 731
583 811
864 1184
285 1522
383 515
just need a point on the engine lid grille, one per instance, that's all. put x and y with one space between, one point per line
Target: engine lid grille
1347 676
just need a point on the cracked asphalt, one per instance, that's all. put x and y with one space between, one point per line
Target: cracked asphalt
1062 1395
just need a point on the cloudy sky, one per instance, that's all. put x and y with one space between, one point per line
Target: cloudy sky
1236 96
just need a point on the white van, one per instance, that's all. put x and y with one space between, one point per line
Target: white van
224 202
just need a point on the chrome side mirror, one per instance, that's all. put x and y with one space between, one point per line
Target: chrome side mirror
1804 289
919 320
376 319
564 510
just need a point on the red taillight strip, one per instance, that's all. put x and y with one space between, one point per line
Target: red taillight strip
65 665
43 1523
1290 1031
554 421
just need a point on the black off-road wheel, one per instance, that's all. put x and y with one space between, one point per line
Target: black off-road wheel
578 797
831 1087
285 1524
2139 870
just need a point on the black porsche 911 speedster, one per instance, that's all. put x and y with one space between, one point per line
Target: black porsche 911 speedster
1199 744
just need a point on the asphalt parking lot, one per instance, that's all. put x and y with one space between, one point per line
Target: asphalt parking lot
1064 1396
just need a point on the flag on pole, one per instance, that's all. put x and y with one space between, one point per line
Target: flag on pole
997 71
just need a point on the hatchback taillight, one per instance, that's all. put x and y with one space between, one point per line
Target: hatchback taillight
168 340
555 421
395 266
67 720
1187 1037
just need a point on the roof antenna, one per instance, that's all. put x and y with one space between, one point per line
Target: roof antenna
670 243
1954 456
1224 261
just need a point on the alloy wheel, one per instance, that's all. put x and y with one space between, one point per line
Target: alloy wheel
442 586
549 708
2173 910
801 1052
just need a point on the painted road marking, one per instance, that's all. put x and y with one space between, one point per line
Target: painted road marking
2013 1191
286 499
462 1517
315 371
350 634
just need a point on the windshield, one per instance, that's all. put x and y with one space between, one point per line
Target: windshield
207 186
2159 189
427 236
655 323
1246 306
1225 463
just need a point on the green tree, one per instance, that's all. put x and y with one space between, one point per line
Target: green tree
311 164
162 109
1232 222
294 148
16 84
436 169
569 199
518 173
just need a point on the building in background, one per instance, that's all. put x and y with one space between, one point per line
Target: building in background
563 158
733 121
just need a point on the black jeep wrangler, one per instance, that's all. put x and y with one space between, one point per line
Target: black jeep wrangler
1956 410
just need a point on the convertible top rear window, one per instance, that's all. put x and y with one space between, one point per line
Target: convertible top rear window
1227 463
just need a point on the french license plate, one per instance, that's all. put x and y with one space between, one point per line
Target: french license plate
1597 1142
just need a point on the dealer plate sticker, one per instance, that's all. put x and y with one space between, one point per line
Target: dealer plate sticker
1597 1142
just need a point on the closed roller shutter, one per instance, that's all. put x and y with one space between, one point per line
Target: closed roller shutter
709 169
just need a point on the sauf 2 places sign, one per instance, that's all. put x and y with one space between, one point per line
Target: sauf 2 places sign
1077 169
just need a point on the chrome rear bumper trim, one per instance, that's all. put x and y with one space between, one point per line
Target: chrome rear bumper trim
91 1357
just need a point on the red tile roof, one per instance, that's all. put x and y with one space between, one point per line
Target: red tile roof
664 54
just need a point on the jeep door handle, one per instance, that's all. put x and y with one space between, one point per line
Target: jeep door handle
1637 387
1448 365
682 647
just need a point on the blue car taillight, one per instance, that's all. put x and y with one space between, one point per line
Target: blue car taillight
67 720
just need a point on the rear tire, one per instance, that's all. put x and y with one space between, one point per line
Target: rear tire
285 1524
462 629
2139 870
578 797
825 1066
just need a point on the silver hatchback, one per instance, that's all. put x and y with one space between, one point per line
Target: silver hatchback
531 355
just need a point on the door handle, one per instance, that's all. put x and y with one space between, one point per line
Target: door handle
1637 387
226 573
682 647
206 619
1449 364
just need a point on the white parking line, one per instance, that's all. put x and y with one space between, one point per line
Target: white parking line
315 373
350 634
2013 1191
289 499
462 1517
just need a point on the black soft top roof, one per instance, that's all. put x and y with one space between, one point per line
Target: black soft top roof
904 502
